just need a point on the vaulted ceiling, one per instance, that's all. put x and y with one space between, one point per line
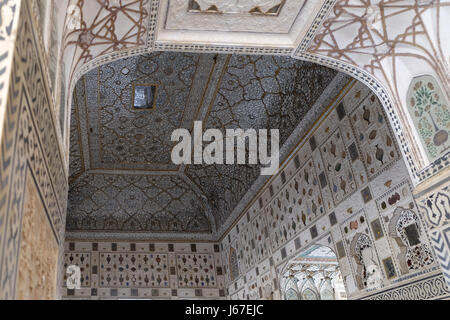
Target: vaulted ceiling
104 30
122 180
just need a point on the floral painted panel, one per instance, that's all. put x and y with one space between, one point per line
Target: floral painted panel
429 110
134 270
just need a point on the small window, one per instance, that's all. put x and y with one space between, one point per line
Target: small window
144 96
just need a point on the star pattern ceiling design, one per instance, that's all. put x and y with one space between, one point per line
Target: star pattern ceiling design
121 175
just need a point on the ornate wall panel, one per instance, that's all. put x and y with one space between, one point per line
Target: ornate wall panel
233 266
29 143
137 270
8 28
196 270
115 270
435 206
346 187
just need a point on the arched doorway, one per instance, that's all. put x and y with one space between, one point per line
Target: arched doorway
313 275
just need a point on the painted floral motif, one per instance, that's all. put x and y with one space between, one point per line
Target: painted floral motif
429 109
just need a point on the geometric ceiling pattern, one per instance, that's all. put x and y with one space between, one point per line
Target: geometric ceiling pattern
373 40
122 179
123 137
99 31
120 155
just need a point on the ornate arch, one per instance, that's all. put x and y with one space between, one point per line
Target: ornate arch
326 290
309 291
